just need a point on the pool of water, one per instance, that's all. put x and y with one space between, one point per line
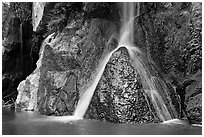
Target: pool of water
32 123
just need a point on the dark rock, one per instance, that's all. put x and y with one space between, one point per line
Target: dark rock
69 58
9 83
193 99
102 10
120 96
16 60
11 62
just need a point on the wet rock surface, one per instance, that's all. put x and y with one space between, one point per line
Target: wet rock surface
172 33
119 96
69 58
193 99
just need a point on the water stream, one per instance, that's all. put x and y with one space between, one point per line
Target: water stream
87 95
148 82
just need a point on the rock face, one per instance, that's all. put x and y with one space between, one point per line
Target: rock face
69 57
193 99
172 32
119 96
27 92
37 14
16 56
52 87
11 61
57 84
66 63
65 69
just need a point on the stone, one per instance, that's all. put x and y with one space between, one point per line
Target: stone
68 62
193 99
61 73
27 92
120 96
51 88
37 14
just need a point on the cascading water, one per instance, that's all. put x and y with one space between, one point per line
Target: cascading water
139 65
149 82
86 97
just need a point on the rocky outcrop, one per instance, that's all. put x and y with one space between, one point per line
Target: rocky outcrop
66 63
193 99
27 89
173 35
51 88
69 57
37 14
58 93
119 96
65 69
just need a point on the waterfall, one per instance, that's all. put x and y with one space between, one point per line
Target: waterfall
87 95
21 41
148 81
152 86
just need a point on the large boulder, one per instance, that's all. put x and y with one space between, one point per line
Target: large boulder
52 87
120 96
66 62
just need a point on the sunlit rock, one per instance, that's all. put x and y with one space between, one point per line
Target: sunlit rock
37 14
52 87
27 92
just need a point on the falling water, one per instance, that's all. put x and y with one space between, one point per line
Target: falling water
86 97
148 81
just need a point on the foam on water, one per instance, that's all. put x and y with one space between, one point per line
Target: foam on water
176 121
196 125
64 119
